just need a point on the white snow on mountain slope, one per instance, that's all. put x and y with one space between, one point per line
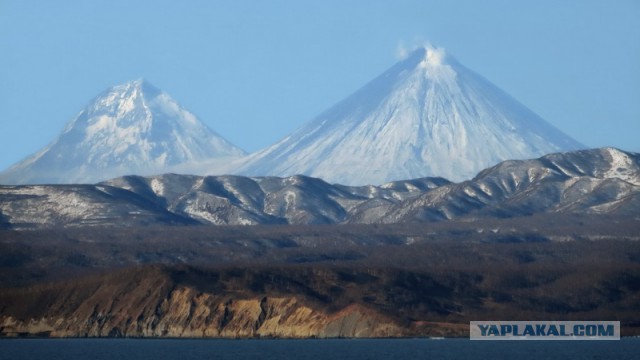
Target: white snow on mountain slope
132 128
622 167
426 116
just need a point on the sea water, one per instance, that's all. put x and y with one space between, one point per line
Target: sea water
357 349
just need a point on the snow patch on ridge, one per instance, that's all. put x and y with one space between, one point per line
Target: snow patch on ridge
157 186
622 167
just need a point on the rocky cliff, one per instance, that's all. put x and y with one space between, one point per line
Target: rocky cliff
519 281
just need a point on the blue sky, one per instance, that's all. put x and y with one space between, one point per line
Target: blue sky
256 70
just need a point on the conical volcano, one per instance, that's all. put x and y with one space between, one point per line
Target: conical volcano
133 128
428 115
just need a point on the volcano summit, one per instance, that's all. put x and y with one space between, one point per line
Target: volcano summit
133 128
428 115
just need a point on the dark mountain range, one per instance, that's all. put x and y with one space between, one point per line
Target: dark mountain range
599 181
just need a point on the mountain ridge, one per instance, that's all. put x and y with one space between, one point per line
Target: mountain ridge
584 181
597 181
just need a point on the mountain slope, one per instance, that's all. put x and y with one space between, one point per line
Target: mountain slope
132 128
30 206
187 199
426 116
237 200
597 181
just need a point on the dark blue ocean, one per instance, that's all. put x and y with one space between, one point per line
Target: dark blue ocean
365 349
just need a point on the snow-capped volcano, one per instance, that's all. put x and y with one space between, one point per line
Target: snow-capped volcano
426 116
132 128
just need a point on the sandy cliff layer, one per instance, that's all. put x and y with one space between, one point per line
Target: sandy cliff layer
190 314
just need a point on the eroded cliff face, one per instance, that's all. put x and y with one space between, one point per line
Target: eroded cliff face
152 305
189 314
423 289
